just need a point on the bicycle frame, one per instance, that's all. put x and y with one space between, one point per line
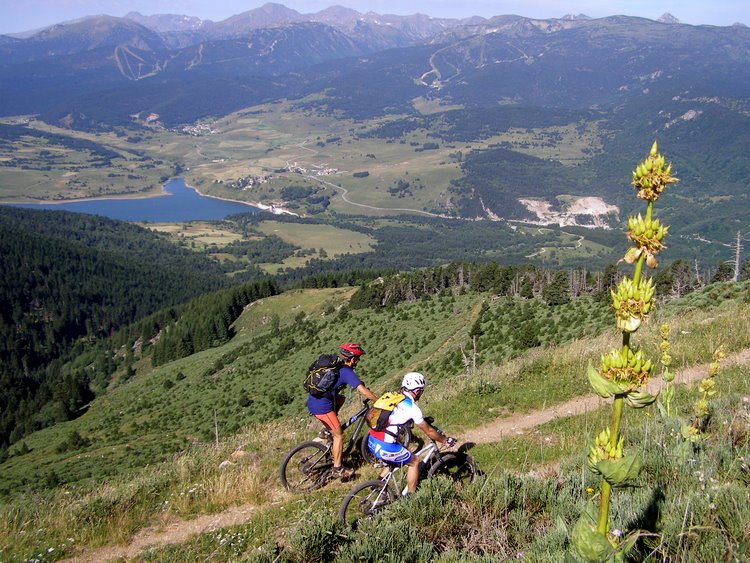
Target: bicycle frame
370 497
359 419
425 455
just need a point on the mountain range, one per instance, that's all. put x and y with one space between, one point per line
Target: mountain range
135 64
631 79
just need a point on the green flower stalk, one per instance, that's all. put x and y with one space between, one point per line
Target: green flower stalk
624 372
667 394
707 388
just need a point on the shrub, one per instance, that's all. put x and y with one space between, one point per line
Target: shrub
317 538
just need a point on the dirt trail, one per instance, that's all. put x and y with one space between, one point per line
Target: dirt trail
173 532
495 430
179 531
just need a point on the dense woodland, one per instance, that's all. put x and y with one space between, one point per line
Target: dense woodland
206 321
68 279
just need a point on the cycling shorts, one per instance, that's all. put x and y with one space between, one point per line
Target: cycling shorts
329 420
390 453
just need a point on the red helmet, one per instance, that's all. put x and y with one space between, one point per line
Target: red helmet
351 350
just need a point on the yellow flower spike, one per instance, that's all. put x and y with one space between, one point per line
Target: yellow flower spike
707 386
622 372
652 176
700 409
719 353
632 303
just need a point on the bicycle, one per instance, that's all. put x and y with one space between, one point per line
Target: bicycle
371 497
308 465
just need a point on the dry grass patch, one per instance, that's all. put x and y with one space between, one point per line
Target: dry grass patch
202 233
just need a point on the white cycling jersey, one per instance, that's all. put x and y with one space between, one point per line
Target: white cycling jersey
405 411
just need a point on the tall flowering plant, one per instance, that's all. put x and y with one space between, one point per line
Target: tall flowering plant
623 372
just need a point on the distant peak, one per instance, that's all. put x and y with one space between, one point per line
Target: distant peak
571 17
668 18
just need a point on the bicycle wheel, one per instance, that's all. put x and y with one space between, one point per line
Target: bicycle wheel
364 501
461 468
306 467
404 438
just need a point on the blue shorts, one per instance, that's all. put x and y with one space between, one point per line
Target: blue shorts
390 453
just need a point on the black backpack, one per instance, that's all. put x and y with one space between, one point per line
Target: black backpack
322 375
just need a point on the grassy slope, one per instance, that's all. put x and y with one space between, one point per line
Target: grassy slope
141 422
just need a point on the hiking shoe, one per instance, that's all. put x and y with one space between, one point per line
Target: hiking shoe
343 473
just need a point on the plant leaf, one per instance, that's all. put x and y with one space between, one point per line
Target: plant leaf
587 543
639 399
603 387
621 471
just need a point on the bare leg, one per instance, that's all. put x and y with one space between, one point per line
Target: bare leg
337 449
412 474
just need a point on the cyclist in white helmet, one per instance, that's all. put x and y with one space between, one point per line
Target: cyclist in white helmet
383 444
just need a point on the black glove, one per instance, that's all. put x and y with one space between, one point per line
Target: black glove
450 442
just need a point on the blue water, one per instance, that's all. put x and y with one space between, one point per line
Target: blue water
181 204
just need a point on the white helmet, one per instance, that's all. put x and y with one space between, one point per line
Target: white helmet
413 381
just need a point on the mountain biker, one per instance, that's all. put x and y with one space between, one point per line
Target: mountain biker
384 445
326 408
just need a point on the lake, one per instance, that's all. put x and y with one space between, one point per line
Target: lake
181 203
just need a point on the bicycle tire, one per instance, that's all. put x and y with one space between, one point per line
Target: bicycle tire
306 467
460 468
405 438
365 501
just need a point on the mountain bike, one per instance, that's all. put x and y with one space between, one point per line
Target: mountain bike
308 465
371 497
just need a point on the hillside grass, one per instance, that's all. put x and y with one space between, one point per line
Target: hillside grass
324 242
196 235
145 459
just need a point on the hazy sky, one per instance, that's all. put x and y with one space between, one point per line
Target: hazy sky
24 15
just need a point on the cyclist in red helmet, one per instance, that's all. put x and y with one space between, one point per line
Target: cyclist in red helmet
326 408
